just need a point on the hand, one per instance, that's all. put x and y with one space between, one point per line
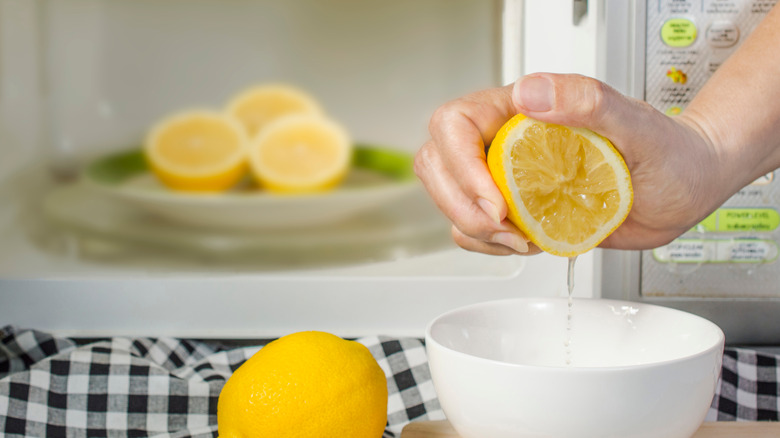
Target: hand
674 166
453 168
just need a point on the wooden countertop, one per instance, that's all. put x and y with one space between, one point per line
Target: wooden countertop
725 429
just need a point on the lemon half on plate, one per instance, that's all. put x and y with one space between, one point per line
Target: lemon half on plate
258 106
566 188
300 154
199 151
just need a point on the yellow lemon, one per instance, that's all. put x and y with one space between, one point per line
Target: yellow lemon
566 188
300 154
261 105
197 151
305 385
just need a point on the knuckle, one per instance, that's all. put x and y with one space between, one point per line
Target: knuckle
443 115
460 238
423 159
592 103
437 117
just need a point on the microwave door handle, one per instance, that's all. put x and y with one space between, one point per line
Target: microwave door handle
579 11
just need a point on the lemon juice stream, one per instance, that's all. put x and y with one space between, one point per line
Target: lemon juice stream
570 284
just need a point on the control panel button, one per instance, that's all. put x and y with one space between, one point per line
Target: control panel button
700 251
673 111
748 251
722 34
685 251
678 32
677 76
748 219
740 220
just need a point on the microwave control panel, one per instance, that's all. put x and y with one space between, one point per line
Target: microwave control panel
733 253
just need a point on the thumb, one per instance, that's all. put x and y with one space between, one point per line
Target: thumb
575 100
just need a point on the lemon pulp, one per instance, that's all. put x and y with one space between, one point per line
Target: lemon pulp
566 188
564 182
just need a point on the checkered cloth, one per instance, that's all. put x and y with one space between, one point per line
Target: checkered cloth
748 388
167 387
160 387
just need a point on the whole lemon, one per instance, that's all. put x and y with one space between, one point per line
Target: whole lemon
307 384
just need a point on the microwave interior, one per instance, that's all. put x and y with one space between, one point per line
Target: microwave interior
84 79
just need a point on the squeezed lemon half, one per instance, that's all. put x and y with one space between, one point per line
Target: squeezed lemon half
566 188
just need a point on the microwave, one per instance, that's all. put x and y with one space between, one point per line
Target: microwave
83 81
725 268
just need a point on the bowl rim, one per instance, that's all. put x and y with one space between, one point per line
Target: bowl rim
717 345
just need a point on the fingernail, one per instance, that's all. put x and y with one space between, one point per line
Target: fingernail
489 208
535 93
513 241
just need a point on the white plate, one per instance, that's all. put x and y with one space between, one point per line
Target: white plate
410 226
377 178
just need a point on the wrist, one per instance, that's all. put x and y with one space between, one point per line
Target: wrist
713 167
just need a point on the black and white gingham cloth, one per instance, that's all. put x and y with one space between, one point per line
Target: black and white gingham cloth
748 388
160 387
167 387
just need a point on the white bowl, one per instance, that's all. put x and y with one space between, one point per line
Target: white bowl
637 370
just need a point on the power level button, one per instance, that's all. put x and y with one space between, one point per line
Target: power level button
722 33
678 32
